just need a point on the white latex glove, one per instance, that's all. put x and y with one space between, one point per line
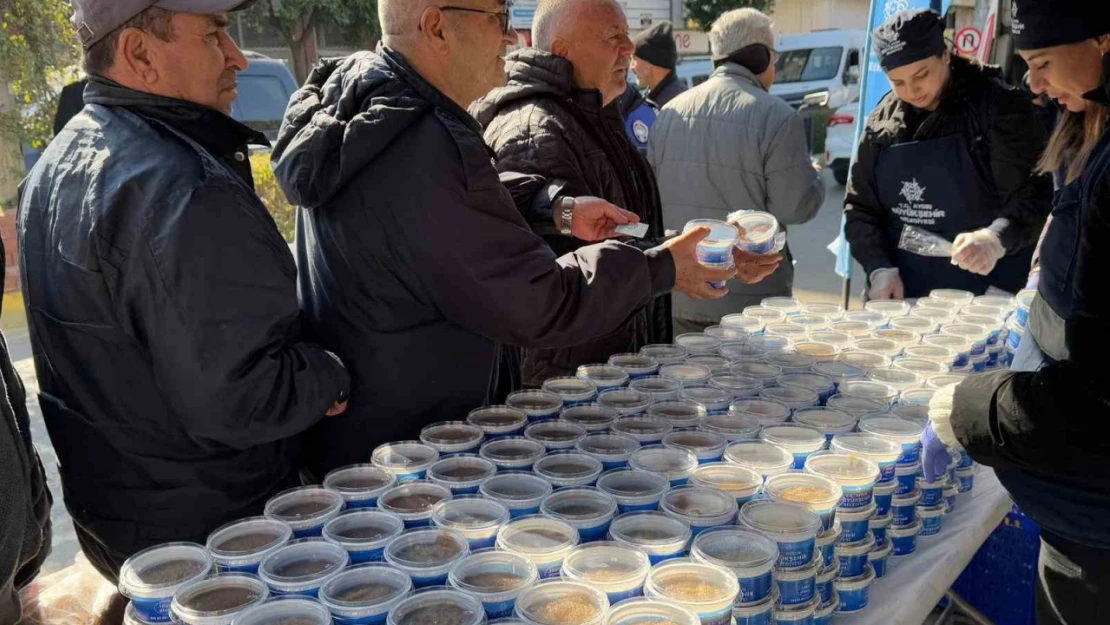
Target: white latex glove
940 414
886 284
977 252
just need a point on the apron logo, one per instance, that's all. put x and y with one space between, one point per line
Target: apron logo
641 130
1015 25
912 191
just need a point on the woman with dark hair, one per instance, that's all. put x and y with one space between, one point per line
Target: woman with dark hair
1046 432
950 150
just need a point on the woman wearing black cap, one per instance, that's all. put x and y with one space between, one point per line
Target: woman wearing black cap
1047 433
951 150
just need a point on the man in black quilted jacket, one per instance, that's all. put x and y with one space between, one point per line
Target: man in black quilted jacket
558 117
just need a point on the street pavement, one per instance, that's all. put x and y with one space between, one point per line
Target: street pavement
815 281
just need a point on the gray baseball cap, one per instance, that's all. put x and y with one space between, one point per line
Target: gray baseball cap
94 19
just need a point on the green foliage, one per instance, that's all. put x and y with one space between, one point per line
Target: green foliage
705 12
266 185
38 56
357 20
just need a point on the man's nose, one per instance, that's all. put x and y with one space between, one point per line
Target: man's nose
233 56
1037 83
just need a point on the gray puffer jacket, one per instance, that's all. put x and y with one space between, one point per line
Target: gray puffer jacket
728 145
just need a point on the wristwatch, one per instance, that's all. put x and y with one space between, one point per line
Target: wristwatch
566 211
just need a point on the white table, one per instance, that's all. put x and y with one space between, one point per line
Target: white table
914 584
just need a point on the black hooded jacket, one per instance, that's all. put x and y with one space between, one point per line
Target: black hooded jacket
415 265
541 124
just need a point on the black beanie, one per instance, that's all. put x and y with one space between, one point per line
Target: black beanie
1041 24
909 37
656 46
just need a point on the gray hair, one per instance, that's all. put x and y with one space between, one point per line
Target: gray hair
400 17
740 28
553 17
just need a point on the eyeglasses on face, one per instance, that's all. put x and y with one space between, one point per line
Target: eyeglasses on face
502 16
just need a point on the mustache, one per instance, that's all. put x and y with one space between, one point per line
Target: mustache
229 80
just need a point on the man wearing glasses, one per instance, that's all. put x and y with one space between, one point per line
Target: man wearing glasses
414 263
729 145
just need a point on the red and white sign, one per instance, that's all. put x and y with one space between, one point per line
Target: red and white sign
989 29
691 42
968 41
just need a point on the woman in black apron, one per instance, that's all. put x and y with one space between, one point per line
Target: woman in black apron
952 150
1044 432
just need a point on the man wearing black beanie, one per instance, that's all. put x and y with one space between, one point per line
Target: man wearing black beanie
654 63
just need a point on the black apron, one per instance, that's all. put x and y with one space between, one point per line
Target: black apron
1059 249
935 185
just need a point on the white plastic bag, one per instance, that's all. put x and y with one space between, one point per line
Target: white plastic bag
918 241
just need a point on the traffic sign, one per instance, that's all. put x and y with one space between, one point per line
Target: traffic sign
968 41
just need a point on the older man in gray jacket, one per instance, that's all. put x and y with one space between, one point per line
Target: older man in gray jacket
729 145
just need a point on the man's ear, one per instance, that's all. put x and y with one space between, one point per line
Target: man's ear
433 28
1103 42
560 47
135 55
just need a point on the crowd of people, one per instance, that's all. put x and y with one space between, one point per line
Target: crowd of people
459 237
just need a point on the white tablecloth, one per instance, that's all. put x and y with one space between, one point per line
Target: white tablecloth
914 584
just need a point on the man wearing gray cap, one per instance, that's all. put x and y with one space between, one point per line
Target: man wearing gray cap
160 296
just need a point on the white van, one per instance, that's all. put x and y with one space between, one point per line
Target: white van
812 64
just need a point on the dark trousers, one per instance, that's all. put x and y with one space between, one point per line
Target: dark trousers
103 558
1074 584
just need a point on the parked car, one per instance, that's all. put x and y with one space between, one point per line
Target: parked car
694 70
840 142
818 63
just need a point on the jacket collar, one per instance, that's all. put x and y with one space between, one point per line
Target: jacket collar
663 85
1102 93
214 131
739 71
424 89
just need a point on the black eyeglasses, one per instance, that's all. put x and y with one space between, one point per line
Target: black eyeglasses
502 16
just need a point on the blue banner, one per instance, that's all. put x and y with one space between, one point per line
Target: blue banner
872 89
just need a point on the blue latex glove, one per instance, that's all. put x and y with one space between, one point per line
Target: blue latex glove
935 456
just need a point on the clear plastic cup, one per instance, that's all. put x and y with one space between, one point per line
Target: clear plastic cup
898 379
413 501
865 360
855 525
771 344
634 490
884 496
870 317
932 493
858 407
762 371
810 322
240 546
611 450
603 376
786 330
793 397
758 230
365 594
765 314
301 611
572 390
462 474
944 356
854 329
562 602
303 566
514 453
676 464
305 509
749 555
759 613
637 365
857 476
660 536
920 325
427 554
713 400
555 435
884 453
792 526
950 493
717 247
853 591
521 492
881 347
496 577
835 338
617 569
681 414
957 297
665 354
765 458
890 308
498 421
656 387
707 590
360 485
868 389
742 352
818 350
932 518
363 534
788 305
644 429
739 386
960 345
438 606
699 507
644 611
799 440
740 482
587 509
452 437
686 374
730 427
543 540
741 326
942 381
538 405
822 385
478 519
697 344
407 460
905 433
977 336
619 402
818 493
763 411
152 576
900 337
568 469
707 447
828 421
217 600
